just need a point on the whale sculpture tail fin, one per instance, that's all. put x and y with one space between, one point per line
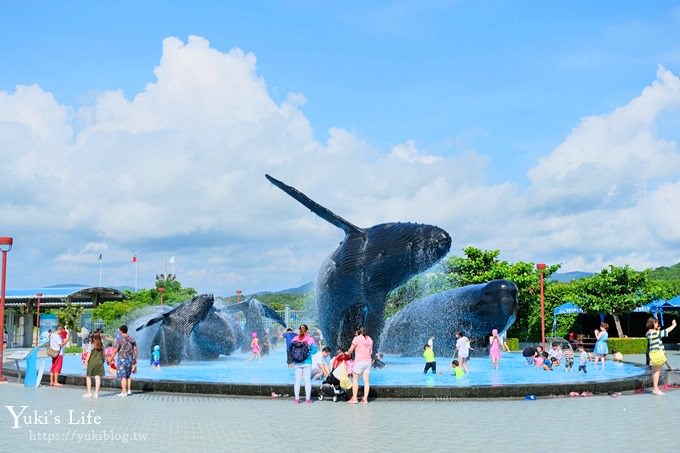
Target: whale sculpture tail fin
316 208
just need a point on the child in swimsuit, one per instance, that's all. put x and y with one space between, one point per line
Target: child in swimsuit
156 358
109 355
255 352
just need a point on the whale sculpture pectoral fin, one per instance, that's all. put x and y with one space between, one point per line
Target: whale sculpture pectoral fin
156 320
273 315
316 208
151 322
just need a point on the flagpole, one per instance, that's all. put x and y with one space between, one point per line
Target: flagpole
100 270
136 263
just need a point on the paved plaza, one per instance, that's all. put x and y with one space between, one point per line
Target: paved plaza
61 419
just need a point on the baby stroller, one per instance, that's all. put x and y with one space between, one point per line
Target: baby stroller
331 386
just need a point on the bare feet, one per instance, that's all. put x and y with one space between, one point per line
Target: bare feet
352 401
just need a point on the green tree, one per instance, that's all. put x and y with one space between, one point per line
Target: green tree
666 273
416 287
615 290
278 301
110 312
479 266
70 316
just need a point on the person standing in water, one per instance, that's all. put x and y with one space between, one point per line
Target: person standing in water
255 351
463 350
156 359
495 348
601 348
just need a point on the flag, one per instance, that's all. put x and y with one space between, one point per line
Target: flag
172 259
100 257
134 259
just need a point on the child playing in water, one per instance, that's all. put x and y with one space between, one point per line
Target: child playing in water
463 349
457 369
156 358
428 355
582 358
87 349
568 355
109 355
255 352
547 362
556 352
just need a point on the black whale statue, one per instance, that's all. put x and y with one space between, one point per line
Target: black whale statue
177 325
196 330
369 263
475 310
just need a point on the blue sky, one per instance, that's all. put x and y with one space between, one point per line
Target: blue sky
545 130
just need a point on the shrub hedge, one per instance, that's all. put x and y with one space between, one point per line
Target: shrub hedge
513 344
628 345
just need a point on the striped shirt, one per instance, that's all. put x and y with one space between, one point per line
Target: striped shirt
654 337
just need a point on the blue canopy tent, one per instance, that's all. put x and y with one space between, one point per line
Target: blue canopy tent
655 307
670 304
564 309
673 303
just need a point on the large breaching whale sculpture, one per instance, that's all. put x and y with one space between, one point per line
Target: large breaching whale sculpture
196 330
369 263
176 325
475 310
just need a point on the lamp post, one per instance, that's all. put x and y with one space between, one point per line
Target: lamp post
541 268
161 290
5 246
37 321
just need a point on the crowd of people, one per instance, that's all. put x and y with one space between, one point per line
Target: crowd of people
120 356
347 368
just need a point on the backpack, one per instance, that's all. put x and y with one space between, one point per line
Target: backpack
299 351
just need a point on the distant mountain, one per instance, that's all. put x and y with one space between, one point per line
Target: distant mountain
666 273
307 288
566 277
68 285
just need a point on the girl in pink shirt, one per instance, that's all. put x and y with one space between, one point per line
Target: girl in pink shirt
362 346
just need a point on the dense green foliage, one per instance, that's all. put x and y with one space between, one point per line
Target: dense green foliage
278 301
112 311
666 273
69 316
73 350
414 288
513 344
627 345
479 266
613 291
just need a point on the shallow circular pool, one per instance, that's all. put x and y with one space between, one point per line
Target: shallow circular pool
399 371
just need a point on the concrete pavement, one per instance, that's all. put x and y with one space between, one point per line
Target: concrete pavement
60 418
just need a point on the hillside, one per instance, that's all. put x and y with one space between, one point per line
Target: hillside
666 273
